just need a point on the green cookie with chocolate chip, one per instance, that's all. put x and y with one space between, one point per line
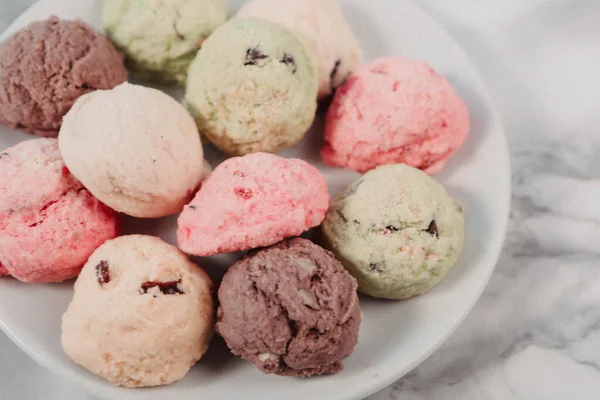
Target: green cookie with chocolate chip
252 87
396 230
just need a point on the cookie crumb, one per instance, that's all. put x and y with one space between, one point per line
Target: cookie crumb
164 287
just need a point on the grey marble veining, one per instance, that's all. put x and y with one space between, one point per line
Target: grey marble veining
535 333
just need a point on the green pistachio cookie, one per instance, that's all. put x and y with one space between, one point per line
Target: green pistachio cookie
161 37
252 87
396 230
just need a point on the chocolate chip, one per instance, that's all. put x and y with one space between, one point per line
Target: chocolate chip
244 193
102 274
376 267
433 229
192 207
392 228
170 289
289 60
2 155
333 73
253 55
165 287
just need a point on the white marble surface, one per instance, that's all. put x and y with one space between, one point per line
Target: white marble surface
535 334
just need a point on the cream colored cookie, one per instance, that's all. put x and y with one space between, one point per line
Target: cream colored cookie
142 313
135 148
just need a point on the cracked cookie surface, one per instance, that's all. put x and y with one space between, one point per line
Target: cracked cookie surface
290 309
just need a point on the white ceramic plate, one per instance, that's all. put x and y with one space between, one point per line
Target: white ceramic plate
394 336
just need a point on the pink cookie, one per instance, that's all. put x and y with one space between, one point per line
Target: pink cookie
3 271
49 223
393 111
253 201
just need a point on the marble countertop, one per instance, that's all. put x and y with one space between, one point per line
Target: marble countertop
535 333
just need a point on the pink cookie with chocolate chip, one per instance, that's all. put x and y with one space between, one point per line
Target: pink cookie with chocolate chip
253 201
49 223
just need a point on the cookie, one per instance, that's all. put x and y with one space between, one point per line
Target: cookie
49 223
252 201
252 87
49 64
396 230
135 148
323 28
393 111
161 38
141 315
290 309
